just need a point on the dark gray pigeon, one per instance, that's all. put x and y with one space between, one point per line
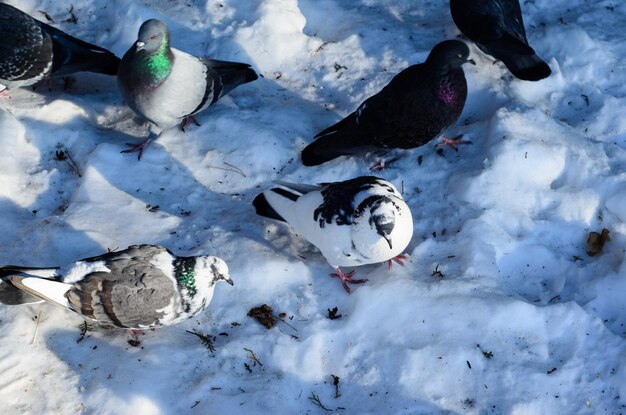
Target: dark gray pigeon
417 105
167 86
31 50
143 286
497 28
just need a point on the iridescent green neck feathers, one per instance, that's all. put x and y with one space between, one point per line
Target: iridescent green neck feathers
158 64
184 272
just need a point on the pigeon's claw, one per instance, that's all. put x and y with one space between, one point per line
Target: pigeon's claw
398 260
452 142
138 147
188 120
347 279
378 166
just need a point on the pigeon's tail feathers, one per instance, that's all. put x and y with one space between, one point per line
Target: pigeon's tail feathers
331 146
75 55
11 295
341 139
520 58
232 74
48 273
263 208
69 58
528 67
45 289
298 188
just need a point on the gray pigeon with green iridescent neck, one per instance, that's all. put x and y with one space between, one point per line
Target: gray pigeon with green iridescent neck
143 286
167 86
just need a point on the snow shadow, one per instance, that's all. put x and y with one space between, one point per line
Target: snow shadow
172 372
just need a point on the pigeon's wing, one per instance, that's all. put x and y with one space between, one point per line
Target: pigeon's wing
487 21
497 28
140 252
396 117
338 199
512 21
406 113
25 50
135 294
225 76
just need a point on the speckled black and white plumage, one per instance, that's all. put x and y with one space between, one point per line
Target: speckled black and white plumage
416 106
143 286
31 50
355 222
497 28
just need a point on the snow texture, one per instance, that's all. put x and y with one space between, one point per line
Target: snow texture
499 310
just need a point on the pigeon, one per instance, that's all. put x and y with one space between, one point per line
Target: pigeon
143 286
355 222
497 28
417 105
167 86
31 51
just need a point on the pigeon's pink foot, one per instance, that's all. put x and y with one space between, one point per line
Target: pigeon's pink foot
378 166
452 142
139 147
4 94
188 120
347 278
398 260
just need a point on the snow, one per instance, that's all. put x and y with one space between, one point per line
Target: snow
500 309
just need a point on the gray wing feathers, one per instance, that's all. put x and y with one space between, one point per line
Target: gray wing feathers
131 294
133 301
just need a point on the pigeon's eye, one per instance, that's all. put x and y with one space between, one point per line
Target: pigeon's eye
459 55
154 37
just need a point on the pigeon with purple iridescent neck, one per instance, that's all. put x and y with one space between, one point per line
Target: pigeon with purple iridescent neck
416 106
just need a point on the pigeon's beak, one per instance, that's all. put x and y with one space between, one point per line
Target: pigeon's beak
228 280
140 44
471 61
388 239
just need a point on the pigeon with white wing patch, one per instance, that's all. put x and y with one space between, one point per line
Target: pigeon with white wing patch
143 286
355 222
167 86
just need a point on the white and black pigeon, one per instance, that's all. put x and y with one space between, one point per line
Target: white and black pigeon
167 86
497 28
143 286
355 222
416 106
31 51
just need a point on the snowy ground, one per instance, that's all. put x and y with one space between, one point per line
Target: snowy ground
518 320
